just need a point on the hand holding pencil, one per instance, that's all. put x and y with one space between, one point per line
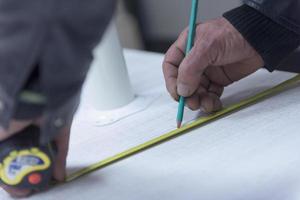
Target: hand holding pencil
219 57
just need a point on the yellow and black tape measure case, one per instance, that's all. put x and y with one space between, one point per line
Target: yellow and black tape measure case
24 162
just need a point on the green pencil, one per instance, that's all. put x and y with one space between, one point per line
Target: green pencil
189 46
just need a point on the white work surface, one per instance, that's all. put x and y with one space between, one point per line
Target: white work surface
252 154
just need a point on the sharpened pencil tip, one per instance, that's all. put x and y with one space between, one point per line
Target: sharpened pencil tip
178 124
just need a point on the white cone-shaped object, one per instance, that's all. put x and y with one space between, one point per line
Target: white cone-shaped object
108 86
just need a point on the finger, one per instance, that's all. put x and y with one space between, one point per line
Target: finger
173 58
194 102
15 126
204 83
191 70
170 74
216 89
17 193
210 103
62 142
176 52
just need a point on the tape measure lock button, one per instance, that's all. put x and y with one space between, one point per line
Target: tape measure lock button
35 178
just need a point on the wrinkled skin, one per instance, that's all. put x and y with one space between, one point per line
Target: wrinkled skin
220 56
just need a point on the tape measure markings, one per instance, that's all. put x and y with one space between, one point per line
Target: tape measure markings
172 134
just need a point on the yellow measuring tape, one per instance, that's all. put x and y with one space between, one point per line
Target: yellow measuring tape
200 122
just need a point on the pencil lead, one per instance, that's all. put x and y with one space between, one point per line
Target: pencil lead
178 124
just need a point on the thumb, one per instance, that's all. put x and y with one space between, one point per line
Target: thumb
191 70
62 142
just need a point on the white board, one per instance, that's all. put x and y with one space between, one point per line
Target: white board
251 154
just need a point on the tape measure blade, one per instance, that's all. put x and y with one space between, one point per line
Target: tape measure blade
198 123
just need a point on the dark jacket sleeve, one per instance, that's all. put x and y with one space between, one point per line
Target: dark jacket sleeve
272 27
291 63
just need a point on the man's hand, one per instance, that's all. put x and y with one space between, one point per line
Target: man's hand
220 56
62 142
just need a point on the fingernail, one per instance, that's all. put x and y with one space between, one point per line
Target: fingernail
183 89
203 109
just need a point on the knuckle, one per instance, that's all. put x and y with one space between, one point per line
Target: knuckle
167 56
193 103
164 66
